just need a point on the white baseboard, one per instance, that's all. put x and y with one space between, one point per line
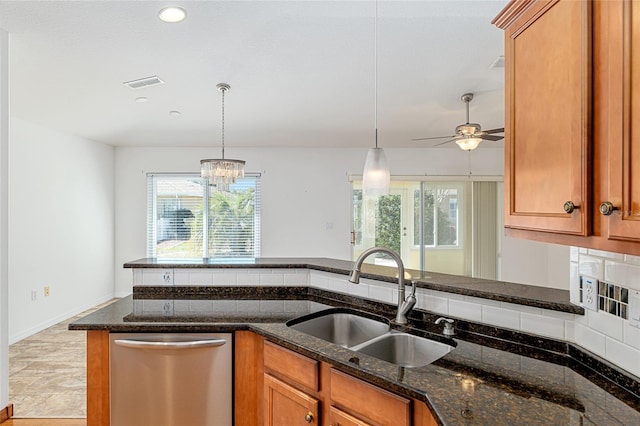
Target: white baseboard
123 294
55 320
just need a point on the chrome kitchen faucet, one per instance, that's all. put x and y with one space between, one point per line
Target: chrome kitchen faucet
404 305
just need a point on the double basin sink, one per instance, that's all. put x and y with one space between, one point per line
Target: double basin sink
371 336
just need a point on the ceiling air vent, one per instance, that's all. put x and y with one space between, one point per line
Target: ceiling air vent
144 82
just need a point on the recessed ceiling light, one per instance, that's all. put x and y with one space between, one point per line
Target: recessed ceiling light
141 99
175 113
172 14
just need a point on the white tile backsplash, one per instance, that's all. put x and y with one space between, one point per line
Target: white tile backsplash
543 325
199 278
380 293
501 317
268 278
358 290
590 339
433 303
606 254
622 274
631 336
623 355
591 266
605 323
467 310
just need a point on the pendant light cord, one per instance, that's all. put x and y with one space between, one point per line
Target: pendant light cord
375 71
223 90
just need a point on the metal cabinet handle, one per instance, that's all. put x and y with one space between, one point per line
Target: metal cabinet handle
569 207
607 208
309 417
145 344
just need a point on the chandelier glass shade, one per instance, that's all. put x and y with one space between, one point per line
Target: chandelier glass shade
221 172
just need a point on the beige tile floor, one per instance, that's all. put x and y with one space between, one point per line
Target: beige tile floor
47 373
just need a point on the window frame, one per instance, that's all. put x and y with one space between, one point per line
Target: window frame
152 215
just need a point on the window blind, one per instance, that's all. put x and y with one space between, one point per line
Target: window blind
187 219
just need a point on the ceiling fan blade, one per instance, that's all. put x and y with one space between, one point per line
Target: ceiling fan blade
435 137
442 143
491 137
494 131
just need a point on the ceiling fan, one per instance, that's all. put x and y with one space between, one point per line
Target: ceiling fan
468 135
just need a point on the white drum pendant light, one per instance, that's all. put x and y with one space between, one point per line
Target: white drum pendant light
222 171
376 176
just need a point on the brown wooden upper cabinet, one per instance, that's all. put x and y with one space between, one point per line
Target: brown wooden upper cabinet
622 205
572 86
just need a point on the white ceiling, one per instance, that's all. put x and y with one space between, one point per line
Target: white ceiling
301 72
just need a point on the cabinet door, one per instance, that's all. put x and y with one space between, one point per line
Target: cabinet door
624 120
286 405
548 117
338 417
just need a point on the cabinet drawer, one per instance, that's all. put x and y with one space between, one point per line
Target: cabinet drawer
287 364
338 417
369 402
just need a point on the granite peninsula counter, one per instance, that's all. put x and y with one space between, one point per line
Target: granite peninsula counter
517 378
521 294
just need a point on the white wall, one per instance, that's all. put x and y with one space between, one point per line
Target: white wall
4 214
305 193
531 262
61 226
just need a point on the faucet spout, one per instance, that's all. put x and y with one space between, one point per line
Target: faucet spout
404 306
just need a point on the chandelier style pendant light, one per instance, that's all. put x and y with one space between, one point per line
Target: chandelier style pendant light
222 171
376 176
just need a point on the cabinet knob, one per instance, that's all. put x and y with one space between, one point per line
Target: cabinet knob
569 207
309 417
607 208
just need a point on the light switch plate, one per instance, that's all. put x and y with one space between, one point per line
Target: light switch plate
634 308
590 293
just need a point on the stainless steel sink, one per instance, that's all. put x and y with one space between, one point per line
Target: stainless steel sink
342 328
353 330
405 349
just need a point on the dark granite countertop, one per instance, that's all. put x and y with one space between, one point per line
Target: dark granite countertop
521 294
491 377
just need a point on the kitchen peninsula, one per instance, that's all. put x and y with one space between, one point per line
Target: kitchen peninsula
494 374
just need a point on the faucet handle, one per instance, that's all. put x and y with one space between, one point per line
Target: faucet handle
448 326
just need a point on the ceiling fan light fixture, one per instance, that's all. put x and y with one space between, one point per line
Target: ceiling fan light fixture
468 144
376 176
221 172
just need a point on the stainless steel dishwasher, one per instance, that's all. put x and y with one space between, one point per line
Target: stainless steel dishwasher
171 379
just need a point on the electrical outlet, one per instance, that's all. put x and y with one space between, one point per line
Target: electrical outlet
167 307
34 294
47 291
167 276
590 293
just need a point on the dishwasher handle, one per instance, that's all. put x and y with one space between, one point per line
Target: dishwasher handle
146 344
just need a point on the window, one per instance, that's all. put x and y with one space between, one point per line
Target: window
179 206
437 225
440 214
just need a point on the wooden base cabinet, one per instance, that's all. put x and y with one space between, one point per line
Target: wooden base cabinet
286 405
367 402
301 391
572 90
